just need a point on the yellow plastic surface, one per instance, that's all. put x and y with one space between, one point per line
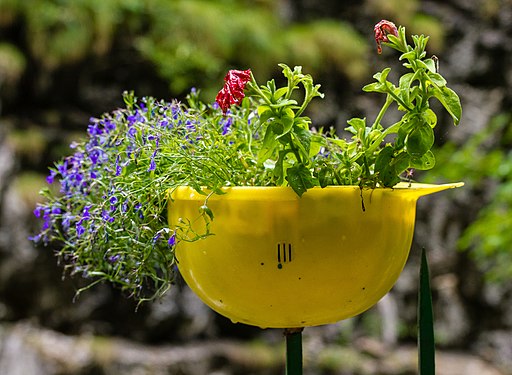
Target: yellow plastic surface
277 260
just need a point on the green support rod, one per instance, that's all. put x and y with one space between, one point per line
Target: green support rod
293 351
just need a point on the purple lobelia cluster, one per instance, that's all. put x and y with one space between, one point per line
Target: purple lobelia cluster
106 219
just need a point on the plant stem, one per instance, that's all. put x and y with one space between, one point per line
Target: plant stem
398 100
382 111
392 129
258 90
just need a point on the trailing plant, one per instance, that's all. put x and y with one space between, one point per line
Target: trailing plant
109 220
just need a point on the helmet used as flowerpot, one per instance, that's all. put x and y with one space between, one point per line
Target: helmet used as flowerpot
274 259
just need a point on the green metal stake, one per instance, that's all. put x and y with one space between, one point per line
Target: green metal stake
426 339
293 351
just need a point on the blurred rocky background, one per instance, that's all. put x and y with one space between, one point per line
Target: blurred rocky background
63 61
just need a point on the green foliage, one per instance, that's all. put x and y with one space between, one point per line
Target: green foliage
12 63
287 140
485 164
190 42
322 44
67 31
414 134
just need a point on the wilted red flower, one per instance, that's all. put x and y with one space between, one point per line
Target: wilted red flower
233 90
382 29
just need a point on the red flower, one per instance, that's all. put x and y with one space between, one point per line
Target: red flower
233 90
382 29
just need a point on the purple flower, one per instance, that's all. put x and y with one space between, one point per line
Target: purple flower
109 125
172 240
47 218
152 163
156 237
124 206
86 215
80 230
94 156
51 177
63 167
226 124
138 208
94 130
119 169
105 215
175 109
38 211
131 119
114 258
66 220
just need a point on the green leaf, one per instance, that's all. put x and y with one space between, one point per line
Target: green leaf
264 113
323 177
287 122
262 109
430 117
204 209
426 339
279 167
384 158
271 86
420 140
437 78
375 87
357 126
280 92
411 55
303 141
300 179
425 162
386 168
268 146
382 77
402 162
380 85
431 65
284 103
316 144
450 100
405 85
